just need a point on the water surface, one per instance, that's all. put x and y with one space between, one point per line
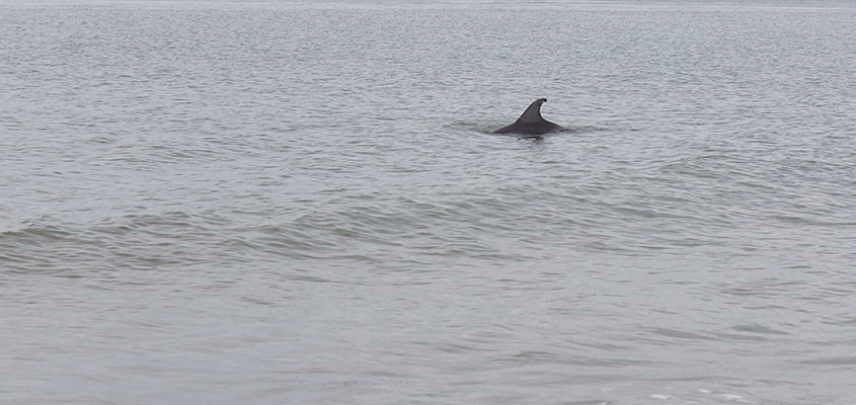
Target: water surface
221 202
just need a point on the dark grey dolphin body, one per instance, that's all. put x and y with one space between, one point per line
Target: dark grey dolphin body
531 122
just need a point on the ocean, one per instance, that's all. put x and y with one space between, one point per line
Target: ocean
225 202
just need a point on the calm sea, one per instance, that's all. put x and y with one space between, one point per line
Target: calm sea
300 203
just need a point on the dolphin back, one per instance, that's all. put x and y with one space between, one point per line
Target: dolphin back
531 122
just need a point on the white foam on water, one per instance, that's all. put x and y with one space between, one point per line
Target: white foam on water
736 398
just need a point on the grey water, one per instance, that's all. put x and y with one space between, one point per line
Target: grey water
300 203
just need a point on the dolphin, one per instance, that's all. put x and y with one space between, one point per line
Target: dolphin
531 122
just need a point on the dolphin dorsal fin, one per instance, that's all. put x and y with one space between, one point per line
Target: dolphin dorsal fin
533 113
